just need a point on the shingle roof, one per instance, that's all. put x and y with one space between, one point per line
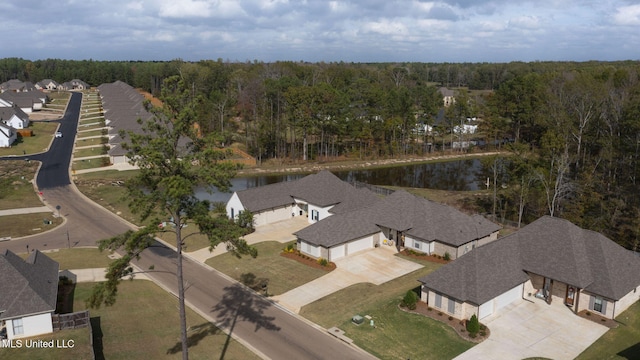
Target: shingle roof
549 247
28 286
418 217
322 189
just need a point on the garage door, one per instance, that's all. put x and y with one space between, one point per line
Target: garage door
359 245
485 309
509 297
336 252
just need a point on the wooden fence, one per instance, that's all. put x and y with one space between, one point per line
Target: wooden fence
70 321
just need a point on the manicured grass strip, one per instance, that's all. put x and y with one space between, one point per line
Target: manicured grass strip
39 142
424 338
283 274
27 224
87 142
94 151
81 258
89 163
622 342
16 189
89 133
143 324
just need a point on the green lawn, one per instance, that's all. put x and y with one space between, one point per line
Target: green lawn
90 124
27 224
16 189
88 142
39 142
94 151
143 324
283 274
84 134
89 163
398 335
622 342
80 258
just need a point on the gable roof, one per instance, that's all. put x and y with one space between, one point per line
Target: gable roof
549 247
416 216
321 189
28 286
7 113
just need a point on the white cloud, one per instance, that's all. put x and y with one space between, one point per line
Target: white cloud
525 22
627 15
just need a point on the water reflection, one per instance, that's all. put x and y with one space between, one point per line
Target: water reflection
453 175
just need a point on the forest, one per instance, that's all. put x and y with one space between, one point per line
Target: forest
569 132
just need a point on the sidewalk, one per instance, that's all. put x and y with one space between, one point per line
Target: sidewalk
31 210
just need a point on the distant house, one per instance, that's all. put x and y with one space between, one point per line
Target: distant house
401 220
448 96
28 294
315 196
75 84
15 85
550 259
7 135
47 84
14 117
27 101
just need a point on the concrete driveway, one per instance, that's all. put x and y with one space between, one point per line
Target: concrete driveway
376 266
535 329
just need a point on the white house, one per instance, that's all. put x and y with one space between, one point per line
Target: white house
14 116
7 135
28 294
315 196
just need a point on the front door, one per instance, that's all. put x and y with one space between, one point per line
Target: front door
571 294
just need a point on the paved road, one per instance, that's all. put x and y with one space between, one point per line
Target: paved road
270 330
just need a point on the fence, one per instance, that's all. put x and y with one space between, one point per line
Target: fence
70 321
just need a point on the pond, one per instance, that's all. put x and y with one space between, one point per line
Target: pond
460 175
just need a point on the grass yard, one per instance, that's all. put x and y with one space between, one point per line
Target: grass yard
622 342
93 151
139 326
283 274
79 258
143 324
89 163
91 124
27 224
88 142
398 335
83 134
108 196
80 350
16 189
192 243
39 142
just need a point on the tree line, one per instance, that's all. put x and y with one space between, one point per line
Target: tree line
573 128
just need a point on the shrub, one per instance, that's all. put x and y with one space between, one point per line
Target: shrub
473 326
289 248
429 308
483 333
450 318
447 256
410 299
323 261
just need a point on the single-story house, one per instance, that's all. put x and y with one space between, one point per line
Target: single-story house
401 220
551 260
27 101
315 196
14 117
47 84
7 135
28 294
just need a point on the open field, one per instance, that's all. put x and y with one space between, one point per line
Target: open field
16 189
27 224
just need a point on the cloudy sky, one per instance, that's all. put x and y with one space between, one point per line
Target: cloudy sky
317 30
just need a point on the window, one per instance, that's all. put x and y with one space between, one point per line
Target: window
597 304
233 213
18 327
451 306
416 244
315 215
438 303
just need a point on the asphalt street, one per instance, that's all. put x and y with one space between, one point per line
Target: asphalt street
270 330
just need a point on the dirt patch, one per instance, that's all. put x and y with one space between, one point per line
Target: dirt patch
459 326
306 260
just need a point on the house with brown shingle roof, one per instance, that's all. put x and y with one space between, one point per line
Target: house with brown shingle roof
315 196
28 294
551 260
401 220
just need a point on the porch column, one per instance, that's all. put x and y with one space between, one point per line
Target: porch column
550 292
575 309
